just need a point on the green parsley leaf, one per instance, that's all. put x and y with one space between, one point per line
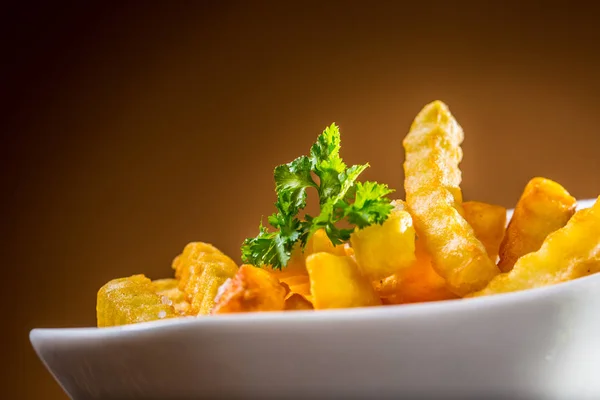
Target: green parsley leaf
291 182
340 198
369 206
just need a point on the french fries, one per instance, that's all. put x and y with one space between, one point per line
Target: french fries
250 289
201 269
382 250
568 253
544 207
489 223
432 247
336 282
416 284
434 199
130 300
320 243
169 288
295 274
297 302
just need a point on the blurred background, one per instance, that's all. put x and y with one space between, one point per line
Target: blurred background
129 130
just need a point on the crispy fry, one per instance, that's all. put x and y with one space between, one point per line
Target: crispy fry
382 250
544 207
434 199
416 284
336 282
297 302
170 289
287 289
296 266
568 253
386 287
201 269
251 289
320 242
295 274
489 223
130 300
420 282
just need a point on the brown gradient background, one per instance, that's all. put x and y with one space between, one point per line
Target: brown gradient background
129 131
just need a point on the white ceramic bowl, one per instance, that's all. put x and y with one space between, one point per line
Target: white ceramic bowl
539 344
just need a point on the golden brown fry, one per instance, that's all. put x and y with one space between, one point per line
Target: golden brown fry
169 288
434 199
416 284
421 283
295 267
297 302
489 223
165 285
336 282
320 242
295 274
386 287
130 300
287 289
251 289
568 253
201 269
544 207
382 250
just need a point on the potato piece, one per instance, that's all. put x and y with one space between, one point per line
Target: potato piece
336 282
568 253
201 269
287 289
169 288
420 282
295 274
251 289
386 287
489 223
297 302
381 250
303 289
165 285
130 300
295 267
416 284
434 199
544 207
319 242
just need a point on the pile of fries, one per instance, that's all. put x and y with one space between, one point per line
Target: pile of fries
433 246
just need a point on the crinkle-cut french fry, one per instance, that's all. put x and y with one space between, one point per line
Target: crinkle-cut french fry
169 288
434 199
130 300
297 302
489 223
251 289
336 282
544 207
568 253
201 269
382 250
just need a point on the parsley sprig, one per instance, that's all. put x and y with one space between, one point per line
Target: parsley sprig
341 198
